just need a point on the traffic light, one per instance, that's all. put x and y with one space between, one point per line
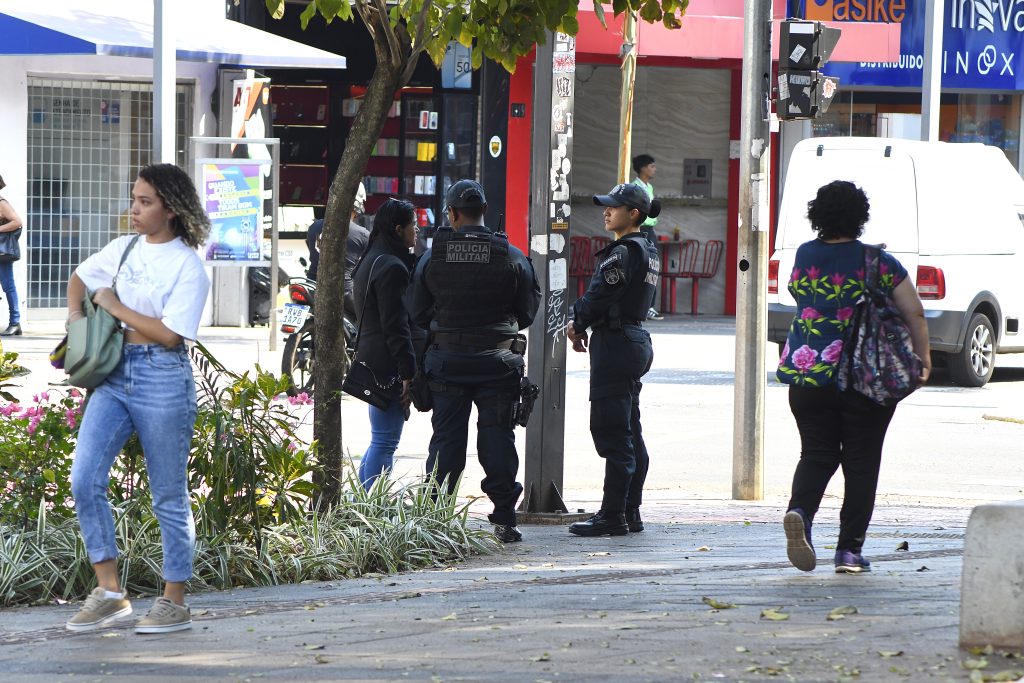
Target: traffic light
804 47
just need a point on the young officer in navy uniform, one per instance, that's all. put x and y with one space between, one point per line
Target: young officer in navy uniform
614 308
474 291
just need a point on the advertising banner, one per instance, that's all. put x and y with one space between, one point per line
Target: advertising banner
982 45
233 201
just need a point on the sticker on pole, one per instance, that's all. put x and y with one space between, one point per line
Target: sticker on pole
495 146
783 87
798 52
828 88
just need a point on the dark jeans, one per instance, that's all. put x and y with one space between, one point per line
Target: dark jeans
491 381
7 283
839 429
619 358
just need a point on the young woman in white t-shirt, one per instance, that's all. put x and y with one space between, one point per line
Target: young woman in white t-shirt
161 290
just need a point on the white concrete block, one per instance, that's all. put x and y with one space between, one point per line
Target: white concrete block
992 593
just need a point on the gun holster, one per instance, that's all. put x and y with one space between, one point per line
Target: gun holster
528 393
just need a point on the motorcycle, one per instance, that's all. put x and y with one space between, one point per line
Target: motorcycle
299 355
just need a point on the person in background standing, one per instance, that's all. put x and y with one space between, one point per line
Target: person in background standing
837 428
621 353
9 222
385 333
355 245
645 169
474 292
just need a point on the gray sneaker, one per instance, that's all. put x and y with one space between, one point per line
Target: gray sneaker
99 611
164 617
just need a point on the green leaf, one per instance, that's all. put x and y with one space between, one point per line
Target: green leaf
307 14
276 8
599 11
715 604
774 614
333 8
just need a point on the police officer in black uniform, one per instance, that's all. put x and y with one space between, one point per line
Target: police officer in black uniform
474 291
614 308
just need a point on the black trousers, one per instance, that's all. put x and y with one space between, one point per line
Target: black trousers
492 384
839 429
619 358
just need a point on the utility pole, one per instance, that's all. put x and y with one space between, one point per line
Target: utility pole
165 56
553 96
931 84
627 53
752 254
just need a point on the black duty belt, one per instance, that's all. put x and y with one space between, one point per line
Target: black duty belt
462 341
616 324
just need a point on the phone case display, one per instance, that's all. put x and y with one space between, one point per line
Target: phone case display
420 130
301 115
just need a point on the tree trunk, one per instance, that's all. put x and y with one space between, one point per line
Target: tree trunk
328 333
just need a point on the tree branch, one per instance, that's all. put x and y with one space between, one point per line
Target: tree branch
363 11
389 32
421 44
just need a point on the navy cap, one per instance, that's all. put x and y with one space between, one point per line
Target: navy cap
465 194
626 194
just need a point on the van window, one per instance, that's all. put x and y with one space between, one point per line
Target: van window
889 183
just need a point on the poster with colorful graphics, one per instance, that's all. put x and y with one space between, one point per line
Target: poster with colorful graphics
232 199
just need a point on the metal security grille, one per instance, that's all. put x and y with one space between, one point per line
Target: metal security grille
87 140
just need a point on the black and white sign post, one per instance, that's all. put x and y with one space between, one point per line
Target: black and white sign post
553 83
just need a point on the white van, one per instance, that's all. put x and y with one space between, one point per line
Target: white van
951 213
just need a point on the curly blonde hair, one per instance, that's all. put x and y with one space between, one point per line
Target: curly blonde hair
178 193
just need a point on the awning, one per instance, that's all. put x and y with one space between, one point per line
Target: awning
125 29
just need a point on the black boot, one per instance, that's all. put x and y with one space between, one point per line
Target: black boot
12 331
601 524
633 520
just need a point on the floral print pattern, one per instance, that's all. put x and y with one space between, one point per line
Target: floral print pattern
826 283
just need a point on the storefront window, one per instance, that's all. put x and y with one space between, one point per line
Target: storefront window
990 119
86 142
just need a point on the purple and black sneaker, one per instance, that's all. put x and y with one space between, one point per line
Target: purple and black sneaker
798 540
849 562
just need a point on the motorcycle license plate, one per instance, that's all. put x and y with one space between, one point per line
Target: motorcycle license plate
294 315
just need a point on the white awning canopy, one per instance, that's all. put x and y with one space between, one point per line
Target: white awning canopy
124 28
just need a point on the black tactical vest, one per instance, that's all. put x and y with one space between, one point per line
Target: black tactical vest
643 265
471 278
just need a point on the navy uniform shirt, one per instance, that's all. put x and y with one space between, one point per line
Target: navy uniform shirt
606 297
524 305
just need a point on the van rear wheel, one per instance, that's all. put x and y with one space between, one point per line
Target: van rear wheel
973 365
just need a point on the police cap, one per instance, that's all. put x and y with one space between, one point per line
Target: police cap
631 195
465 194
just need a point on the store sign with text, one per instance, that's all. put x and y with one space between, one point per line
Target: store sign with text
982 42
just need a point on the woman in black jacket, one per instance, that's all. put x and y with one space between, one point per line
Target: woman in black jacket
385 343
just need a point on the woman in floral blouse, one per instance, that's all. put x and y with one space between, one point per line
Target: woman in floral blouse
837 428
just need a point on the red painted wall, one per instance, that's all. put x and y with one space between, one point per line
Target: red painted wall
517 194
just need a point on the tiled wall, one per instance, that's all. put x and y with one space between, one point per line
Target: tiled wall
678 114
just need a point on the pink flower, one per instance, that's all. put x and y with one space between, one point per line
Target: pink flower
35 398
292 446
804 358
71 422
45 395
810 314
75 393
9 409
795 275
844 314
33 424
832 352
784 355
837 279
301 399
813 272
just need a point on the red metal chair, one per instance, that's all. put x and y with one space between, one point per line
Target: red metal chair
581 263
712 256
678 259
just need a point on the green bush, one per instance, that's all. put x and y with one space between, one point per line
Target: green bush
251 495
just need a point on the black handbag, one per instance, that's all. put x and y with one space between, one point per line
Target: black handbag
360 381
9 247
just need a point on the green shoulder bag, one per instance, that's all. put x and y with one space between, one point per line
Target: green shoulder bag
95 340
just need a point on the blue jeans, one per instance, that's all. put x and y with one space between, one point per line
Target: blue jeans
151 392
385 433
10 292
